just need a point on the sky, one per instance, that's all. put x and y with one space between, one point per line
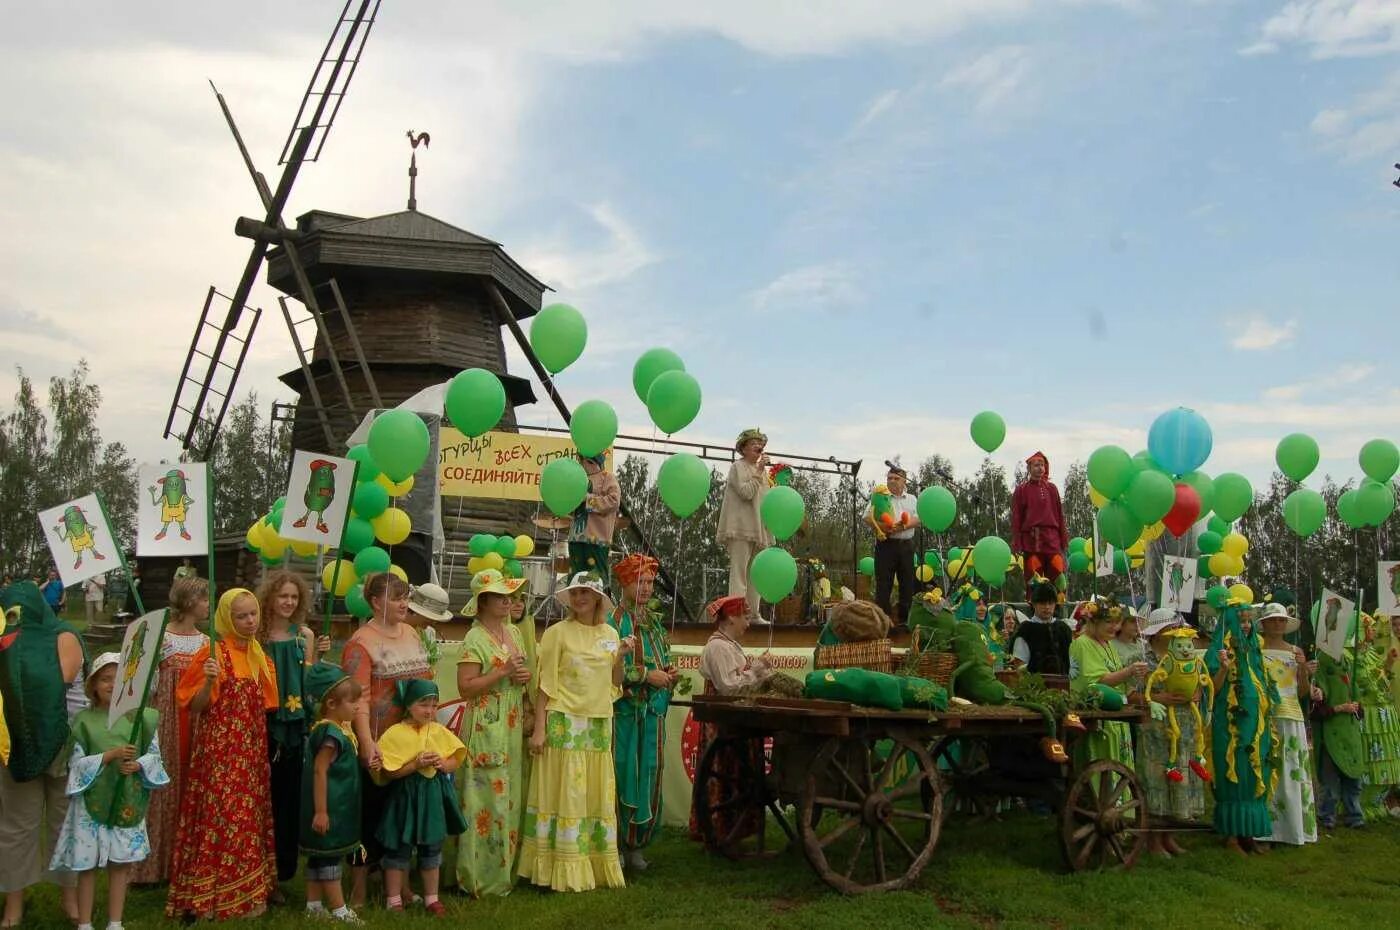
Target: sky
860 222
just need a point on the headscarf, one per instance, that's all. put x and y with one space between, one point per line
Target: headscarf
726 606
1039 455
223 625
31 680
409 691
634 567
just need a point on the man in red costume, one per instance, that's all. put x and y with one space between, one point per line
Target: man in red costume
1038 531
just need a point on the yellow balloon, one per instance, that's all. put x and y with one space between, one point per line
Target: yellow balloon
1135 563
1242 592
1137 550
524 546
254 536
924 573
392 526
1150 533
1234 544
1095 498
1220 565
273 545
345 581
494 560
396 570
1089 547
1236 565
303 549
475 564
395 488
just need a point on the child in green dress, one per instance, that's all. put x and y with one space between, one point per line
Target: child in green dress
419 756
330 782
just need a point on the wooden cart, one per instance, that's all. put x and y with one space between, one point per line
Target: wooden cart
870 787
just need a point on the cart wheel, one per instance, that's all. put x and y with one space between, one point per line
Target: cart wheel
962 762
1104 820
882 816
731 796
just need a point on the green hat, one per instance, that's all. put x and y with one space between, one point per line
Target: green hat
749 434
410 691
320 680
490 581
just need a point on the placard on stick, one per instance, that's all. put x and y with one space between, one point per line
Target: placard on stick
318 498
1178 583
1334 624
1388 588
171 516
79 539
139 654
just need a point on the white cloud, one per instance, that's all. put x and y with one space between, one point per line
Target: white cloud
828 287
1367 128
1348 374
614 256
875 109
1332 28
992 77
1258 333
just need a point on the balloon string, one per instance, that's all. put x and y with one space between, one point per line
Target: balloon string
452 563
675 595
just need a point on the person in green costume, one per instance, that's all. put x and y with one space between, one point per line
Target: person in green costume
493 675
639 716
1341 757
1094 664
419 756
330 782
1380 727
1242 742
114 779
35 671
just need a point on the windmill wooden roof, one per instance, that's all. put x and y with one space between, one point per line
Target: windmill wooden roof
407 243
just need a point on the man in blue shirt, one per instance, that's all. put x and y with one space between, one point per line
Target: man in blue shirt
53 591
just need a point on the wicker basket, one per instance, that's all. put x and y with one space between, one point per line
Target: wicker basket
788 611
937 667
876 655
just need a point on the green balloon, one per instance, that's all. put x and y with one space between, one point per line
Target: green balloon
932 559
371 499
1143 461
399 442
1218 526
1349 509
558 334
371 559
955 553
505 547
476 401
683 483
866 566
1233 495
1076 544
1110 470
1379 459
652 364
1297 455
563 486
1120 561
1209 542
1217 596
358 534
513 569
593 427
988 430
673 401
1374 502
1118 526
271 561
1150 496
937 509
481 544
1203 567
368 469
991 557
1304 511
1078 561
1205 490
782 511
357 605
773 574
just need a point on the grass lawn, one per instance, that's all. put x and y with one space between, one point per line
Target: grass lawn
998 874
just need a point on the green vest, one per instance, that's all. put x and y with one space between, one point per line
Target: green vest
114 799
342 794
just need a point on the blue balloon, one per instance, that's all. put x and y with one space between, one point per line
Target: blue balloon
1180 440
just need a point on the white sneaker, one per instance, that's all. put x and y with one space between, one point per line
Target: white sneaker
347 916
636 861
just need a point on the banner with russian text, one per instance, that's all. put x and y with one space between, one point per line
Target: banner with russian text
498 464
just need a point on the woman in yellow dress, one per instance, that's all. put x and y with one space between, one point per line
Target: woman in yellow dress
570 832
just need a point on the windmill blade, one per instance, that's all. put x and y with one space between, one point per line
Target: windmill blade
329 83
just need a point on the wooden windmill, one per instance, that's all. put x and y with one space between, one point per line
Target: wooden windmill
218 348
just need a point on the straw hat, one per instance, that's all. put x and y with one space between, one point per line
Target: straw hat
101 662
588 581
748 435
1275 610
429 600
490 581
1161 620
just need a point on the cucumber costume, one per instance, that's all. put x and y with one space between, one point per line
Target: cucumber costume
1242 741
320 492
173 501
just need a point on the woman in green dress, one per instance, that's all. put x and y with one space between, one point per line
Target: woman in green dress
1094 663
639 716
492 675
1241 738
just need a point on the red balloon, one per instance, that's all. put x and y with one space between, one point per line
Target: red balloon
1184 512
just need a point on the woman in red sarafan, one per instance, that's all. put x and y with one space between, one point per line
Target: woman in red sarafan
224 864
1038 531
